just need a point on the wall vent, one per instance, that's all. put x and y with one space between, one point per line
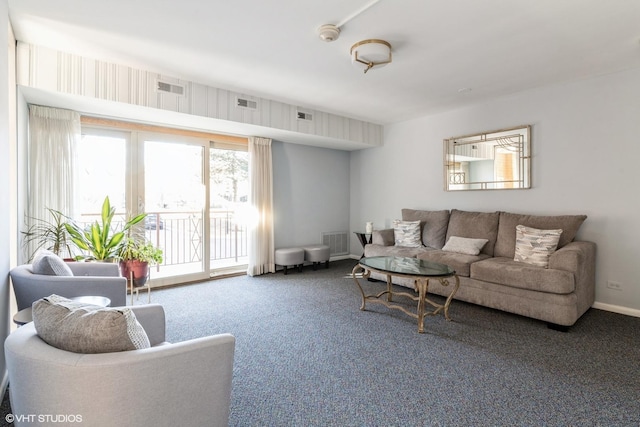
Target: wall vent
304 116
246 103
170 88
338 242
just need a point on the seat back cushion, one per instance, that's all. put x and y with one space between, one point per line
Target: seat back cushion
475 225
433 225
47 263
86 328
506 243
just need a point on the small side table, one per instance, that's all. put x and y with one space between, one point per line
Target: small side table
364 238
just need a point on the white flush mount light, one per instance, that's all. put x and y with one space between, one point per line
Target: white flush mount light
328 32
371 53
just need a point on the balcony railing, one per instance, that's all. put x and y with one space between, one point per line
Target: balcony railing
180 235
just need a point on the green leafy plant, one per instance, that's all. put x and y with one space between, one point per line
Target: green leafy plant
51 235
140 250
99 239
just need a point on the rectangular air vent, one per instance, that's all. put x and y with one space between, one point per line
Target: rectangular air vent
304 116
246 103
170 88
338 242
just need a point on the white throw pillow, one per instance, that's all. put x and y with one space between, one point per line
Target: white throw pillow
535 246
407 233
464 245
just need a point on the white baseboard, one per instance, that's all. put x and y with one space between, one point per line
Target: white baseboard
616 309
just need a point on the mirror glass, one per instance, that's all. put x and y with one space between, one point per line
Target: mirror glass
494 160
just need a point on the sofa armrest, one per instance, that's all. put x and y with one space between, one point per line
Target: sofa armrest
579 257
105 269
383 237
573 257
152 319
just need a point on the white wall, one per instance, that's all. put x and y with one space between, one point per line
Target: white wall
310 193
586 150
7 191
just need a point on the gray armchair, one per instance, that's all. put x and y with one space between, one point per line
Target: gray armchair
186 383
89 278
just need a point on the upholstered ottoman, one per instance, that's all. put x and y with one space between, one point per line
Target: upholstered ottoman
290 257
316 254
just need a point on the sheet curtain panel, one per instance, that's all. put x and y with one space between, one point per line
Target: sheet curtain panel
52 152
261 240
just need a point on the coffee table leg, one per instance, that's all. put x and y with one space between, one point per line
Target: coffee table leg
423 286
365 275
389 289
445 282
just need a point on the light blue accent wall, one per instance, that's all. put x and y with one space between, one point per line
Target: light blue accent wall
310 193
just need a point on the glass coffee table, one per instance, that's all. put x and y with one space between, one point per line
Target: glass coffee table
418 270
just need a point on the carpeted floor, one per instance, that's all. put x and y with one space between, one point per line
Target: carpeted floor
307 356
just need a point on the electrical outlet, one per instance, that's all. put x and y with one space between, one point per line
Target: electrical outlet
614 285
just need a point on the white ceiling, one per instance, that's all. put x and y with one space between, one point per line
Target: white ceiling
270 49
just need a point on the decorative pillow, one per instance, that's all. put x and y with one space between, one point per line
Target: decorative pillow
86 328
535 246
50 264
407 233
464 245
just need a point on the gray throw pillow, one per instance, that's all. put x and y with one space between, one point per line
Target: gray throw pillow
86 328
47 263
464 245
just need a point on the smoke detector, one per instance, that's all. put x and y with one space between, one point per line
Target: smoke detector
328 32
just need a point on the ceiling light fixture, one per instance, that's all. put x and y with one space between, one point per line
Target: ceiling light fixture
371 53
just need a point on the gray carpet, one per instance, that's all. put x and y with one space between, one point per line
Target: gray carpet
307 356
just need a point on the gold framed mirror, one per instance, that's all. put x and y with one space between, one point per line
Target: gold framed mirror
496 160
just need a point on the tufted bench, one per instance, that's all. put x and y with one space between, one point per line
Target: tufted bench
316 254
290 257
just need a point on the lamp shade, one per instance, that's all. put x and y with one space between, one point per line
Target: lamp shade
371 53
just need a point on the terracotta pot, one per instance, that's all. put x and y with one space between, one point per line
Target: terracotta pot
140 270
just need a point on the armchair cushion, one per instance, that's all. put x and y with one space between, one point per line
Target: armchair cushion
50 264
86 328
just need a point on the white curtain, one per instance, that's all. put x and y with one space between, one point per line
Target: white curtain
53 139
261 241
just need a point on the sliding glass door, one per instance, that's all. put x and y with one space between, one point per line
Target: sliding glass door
194 191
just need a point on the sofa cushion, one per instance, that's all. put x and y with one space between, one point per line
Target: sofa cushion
534 246
506 243
506 271
383 250
433 224
47 263
464 245
407 233
86 328
383 237
475 225
459 262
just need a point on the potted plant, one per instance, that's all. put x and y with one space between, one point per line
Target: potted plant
51 235
99 239
135 256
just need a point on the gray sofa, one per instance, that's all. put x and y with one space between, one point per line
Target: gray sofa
559 294
182 384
